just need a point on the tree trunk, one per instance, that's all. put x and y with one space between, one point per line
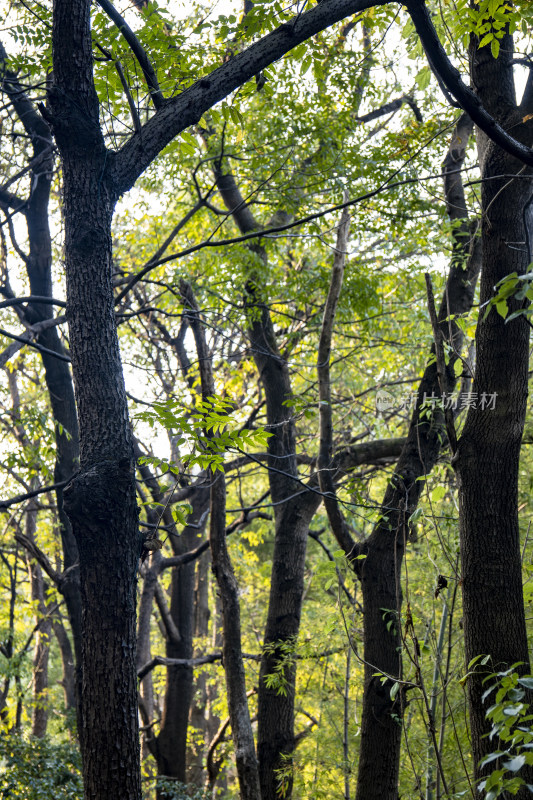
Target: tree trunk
380 571
241 726
172 740
100 501
57 372
41 653
68 679
489 449
198 718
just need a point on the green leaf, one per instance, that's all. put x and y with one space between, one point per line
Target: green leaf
438 493
486 39
502 308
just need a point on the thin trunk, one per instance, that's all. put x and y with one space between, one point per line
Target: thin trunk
150 575
172 739
170 746
275 735
41 652
198 719
57 373
68 679
346 727
380 571
245 756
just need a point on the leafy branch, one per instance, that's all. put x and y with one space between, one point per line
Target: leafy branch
208 430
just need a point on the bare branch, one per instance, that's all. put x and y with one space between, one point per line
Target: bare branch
325 475
21 498
41 558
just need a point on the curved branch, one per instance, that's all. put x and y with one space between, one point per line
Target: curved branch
451 78
188 107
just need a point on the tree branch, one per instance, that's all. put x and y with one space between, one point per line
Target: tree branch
325 476
451 78
388 108
187 108
20 498
138 51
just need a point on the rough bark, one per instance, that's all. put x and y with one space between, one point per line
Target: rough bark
100 501
488 451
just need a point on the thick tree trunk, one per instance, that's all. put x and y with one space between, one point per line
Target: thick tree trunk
489 448
100 501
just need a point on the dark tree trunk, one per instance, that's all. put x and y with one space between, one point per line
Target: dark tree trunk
275 734
57 372
41 653
68 679
171 749
380 571
100 501
241 726
489 448
200 706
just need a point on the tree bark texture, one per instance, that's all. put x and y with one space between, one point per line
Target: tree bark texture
489 448
100 501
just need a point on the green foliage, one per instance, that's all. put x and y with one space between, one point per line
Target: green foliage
284 654
513 286
512 728
38 769
176 790
208 429
490 20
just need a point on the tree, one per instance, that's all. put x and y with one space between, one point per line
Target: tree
101 500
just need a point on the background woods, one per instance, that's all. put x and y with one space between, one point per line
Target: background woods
265 505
